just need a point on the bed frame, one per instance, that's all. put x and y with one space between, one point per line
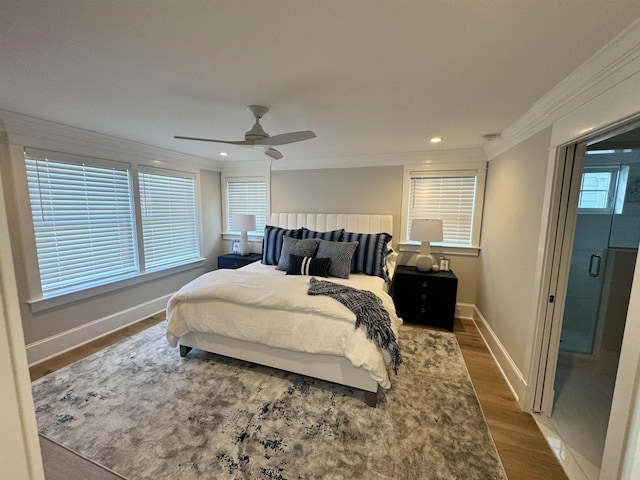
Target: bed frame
325 367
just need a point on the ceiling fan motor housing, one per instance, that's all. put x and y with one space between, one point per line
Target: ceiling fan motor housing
256 132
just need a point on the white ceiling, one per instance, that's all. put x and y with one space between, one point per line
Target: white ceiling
369 77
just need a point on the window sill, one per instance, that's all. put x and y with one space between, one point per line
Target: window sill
442 249
41 304
236 236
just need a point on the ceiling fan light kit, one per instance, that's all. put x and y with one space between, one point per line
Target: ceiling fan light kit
258 137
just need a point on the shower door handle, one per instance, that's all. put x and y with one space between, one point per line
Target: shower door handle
595 260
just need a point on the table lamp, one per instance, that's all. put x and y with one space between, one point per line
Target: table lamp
243 223
426 231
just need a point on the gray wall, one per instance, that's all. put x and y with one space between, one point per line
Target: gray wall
211 217
375 190
506 293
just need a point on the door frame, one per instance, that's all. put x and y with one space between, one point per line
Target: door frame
563 213
569 162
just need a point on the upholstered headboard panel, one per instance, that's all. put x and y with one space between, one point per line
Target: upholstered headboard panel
323 222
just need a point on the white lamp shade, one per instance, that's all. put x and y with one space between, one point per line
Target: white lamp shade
243 223
426 230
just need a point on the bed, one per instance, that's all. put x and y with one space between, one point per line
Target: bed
263 315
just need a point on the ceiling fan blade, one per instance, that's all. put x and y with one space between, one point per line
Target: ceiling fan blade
239 142
285 138
273 153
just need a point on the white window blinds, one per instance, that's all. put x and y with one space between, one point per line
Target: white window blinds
449 197
83 221
247 195
168 206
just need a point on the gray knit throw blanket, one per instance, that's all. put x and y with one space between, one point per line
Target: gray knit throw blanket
370 314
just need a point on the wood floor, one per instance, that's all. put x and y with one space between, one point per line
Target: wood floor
524 452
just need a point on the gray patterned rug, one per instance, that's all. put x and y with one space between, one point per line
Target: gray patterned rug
142 411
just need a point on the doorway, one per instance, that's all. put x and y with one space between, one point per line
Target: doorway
604 224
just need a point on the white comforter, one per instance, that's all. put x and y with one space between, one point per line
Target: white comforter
260 304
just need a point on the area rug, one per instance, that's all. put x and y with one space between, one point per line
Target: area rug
140 410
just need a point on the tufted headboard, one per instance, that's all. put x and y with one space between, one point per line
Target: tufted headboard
323 222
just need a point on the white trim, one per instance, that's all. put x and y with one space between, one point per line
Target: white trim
36 301
510 371
465 310
383 160
49 347
20 455
441 249
34 132
606 70
40 304
462 167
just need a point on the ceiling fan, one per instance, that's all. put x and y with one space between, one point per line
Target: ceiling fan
258 137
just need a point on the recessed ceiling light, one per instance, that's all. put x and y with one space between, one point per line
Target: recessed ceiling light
435 139
223 154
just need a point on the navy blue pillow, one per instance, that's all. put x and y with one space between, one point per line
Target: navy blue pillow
272 243
308 266
332 236
370 254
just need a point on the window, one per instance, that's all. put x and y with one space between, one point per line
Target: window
453 196
88 230
597 189
169 218
247 195
83 222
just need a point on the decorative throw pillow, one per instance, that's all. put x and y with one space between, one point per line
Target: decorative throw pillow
371 253
340 254
272 243
293 246
308 266
332 236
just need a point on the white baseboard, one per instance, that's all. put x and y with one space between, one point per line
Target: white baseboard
510 371
46 348
465 310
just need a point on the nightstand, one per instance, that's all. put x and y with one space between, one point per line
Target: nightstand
233 260
428 298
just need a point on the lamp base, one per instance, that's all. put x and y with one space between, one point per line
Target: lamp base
424 263
244 247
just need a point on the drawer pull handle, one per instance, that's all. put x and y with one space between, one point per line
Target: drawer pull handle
425 284
423 310
423 296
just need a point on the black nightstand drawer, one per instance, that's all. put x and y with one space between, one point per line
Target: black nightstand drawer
425 297
233 260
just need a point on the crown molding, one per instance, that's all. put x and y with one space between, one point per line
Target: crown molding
614 63
382 160
27 131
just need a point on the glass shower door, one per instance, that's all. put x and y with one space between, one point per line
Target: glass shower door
582 304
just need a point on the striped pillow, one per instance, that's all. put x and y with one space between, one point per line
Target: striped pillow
371 253
332 236
272 243
308 266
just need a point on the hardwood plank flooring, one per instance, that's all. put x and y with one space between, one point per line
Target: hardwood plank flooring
525 453
523 450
